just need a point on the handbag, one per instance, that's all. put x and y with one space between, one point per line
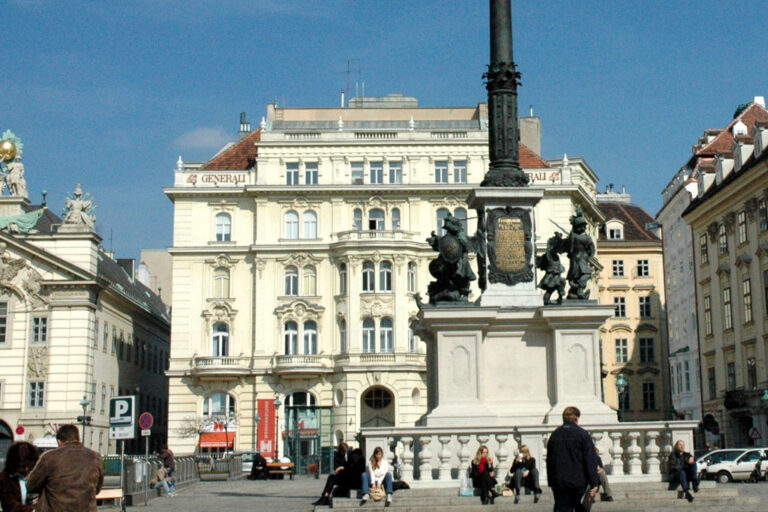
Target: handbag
586 500
378 494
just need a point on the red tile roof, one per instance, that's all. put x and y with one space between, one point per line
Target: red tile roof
634 219
240 156
530 160
723 142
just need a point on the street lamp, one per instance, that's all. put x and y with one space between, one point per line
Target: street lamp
84 403
277 405
764 398
621 388
256 421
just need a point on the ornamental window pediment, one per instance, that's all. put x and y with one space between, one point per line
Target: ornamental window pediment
298 203
724 268
648 369
219 310
743 260
647 327
299 310
624 370
621 327
222 261
376 307
449 202
300 259
762 249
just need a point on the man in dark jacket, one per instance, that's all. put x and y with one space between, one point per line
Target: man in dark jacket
69 477
571 463
682 469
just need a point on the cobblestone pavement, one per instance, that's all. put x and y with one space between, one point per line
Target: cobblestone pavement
268 495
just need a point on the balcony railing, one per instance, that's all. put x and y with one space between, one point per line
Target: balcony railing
376 359
440 456
217 361
300 363
221 367
375 234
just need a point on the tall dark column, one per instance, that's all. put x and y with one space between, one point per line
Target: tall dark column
502 80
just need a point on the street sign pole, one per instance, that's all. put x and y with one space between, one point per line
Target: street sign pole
146 477
122 467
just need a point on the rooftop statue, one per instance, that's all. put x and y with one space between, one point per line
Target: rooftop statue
77 209
451 268
11 168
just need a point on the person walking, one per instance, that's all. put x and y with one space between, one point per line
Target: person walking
69 477
571 464
19 461
682 469
524 472
376 476
603 477
483 476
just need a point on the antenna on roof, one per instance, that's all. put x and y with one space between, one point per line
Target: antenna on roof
245 126
353 66
530 108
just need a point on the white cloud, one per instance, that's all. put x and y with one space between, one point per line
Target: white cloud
204 137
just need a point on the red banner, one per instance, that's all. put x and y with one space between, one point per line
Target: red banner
266 433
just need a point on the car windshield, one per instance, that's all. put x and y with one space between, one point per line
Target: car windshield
751 456
247 457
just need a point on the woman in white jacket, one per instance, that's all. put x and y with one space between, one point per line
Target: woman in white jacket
377 474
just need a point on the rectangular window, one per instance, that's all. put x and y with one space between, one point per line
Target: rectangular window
707 315
727 311
292 173
3 322
356 173
377 173
680 376
712 382
614 234
619 307
105 335
36 394
722 237
647 350
703 248
731 372
762 213
622 350
93 396
672 377
396 173
643 268
39 329
687 375
103 398
441 171
413 341
751 373
649 396
645 307
310 173
96 332
746 289
114 340
460 171
742 221
617 268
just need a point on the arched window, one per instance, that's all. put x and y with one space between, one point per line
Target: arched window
369 335
220 339
310 224
310 337
442 214
385 276
309 281
461 214
291 280
395 219
291 338
369 277
357 219
291 224
223 227
219 404
343 336
412 277
386 335
343 279
376 219
221 283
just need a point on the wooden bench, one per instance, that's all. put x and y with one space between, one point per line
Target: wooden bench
280 468
114 495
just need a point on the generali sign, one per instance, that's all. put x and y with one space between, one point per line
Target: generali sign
215 178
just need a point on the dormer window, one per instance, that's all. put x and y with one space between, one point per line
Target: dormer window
615 233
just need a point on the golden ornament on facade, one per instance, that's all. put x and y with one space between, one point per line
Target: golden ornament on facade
7 150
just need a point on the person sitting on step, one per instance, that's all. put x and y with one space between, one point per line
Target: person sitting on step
523 471
376 475
682 470
606 495
482 474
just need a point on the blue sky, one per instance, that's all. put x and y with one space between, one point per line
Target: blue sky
110 93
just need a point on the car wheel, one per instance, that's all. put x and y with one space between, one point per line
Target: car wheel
724 477
702 475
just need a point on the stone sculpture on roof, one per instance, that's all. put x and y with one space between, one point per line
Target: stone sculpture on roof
11 168
77 209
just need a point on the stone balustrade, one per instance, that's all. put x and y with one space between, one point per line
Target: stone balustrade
375 234
436 457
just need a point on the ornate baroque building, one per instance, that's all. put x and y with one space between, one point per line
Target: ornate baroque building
297 254
634 340
73 323
729 222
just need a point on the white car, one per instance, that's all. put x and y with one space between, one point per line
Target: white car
740 468
716 457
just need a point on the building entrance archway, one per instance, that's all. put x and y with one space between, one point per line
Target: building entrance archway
377 408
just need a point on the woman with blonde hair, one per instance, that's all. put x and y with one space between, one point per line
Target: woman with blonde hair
376 474
523 471
482 474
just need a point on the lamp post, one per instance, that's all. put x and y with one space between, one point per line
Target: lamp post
621 388
256 421
84 403
277 405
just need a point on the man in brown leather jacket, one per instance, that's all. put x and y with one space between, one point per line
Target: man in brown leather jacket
69 477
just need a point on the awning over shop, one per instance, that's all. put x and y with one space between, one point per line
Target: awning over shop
217 440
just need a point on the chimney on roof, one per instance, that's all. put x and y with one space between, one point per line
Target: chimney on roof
245 126
760 100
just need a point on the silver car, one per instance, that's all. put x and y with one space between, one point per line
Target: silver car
740 467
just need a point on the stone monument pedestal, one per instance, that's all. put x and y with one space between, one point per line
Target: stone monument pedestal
494 366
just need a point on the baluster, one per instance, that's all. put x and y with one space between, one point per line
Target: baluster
483 439
666 448
425 459
445 457
501 453
389 453
406 470
617 466
544 440
652 459
463 454
635 465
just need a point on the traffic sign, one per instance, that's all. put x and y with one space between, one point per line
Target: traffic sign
122 432
146 432
146 420
121 410
755 434
20 430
